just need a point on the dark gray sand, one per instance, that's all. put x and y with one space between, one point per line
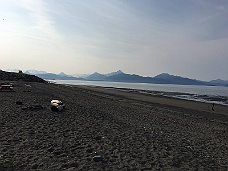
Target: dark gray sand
108 129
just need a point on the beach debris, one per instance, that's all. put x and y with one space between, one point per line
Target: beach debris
6 87
98 158
27 85
19 102
28 88
33 107
57 105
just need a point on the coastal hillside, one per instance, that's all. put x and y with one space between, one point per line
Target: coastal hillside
13 76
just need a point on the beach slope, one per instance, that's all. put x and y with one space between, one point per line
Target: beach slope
108 129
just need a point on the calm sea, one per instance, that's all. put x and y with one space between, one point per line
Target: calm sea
211 94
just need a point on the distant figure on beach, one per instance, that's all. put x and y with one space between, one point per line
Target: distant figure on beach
213 107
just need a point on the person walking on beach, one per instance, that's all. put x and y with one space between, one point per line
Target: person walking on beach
212 108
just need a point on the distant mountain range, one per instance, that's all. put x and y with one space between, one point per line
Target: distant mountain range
120 76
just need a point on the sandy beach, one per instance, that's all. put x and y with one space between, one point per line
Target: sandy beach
108 129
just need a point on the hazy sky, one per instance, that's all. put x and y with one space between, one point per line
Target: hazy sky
146 37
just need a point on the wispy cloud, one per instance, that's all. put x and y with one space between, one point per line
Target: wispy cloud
43 24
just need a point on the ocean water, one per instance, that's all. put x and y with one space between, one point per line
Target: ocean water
208 94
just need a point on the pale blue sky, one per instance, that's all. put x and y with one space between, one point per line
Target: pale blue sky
146 37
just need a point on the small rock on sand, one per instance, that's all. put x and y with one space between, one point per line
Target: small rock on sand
98 158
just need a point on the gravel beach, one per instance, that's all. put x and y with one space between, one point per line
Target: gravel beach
108 129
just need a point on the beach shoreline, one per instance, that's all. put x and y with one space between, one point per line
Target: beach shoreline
158 97
206 94
127 129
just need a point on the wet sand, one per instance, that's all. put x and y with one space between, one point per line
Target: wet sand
129 130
